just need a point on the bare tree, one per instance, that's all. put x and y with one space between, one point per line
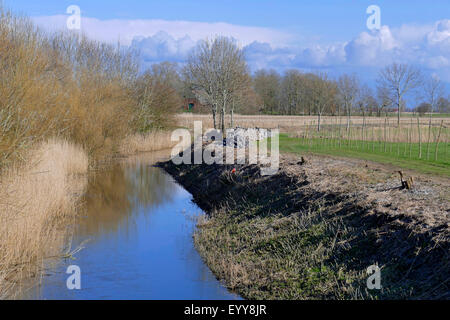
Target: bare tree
424 108
365 103
348 89
443 105
158 98
324 93
434 90
216 69
383 100
241 97
398 80
364 99
267 86
307 95
291 91
200 75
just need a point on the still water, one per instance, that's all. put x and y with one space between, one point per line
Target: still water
139 225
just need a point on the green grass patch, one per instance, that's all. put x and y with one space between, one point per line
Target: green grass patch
403 155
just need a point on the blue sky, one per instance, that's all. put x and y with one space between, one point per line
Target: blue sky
333 19
282 34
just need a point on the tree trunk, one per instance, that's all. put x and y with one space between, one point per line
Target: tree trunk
318 121
429 134
224 110
437 141
348 117
222 120
363 128
232 114
214 118
420 138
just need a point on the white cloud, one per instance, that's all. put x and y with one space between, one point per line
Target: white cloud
440 35
369 47
162 46
321 56
427 46
126 30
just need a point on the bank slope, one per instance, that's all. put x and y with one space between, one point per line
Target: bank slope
312 230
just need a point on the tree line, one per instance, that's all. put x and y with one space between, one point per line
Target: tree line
217 74
95 94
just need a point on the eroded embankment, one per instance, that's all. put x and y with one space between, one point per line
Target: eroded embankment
312 230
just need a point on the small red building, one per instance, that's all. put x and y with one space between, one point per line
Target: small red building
192 104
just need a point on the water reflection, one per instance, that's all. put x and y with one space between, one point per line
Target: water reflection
140 226
115 195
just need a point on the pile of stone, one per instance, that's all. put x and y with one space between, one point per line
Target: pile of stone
241 137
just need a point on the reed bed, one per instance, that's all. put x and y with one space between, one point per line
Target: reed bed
38 201
151 141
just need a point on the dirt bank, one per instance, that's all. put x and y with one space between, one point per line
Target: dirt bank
312 230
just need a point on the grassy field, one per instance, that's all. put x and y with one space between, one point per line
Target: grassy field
295 123
401 154
412 145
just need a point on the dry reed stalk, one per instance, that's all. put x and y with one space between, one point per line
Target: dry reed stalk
410 138
152 141
37 203
420 138
429 138
437 141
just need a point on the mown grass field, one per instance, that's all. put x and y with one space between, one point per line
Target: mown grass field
400 154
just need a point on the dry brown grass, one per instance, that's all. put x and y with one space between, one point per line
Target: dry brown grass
311 231
301 126
37 202
152 141
377 132
285 122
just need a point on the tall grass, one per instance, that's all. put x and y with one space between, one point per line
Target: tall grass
152 141
37 202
